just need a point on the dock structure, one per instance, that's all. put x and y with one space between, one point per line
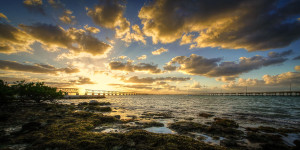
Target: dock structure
106 93
67 91
277 93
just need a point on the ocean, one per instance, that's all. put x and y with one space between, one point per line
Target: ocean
248 111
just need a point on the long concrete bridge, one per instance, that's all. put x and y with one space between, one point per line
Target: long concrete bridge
68 91
276 93
103 92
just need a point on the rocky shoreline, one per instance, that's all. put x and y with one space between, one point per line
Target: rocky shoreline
85 126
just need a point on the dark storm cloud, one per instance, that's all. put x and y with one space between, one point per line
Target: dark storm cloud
128 66
249 24
37 68
213 67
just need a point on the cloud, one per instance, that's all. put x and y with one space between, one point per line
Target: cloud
36 68
55 4
82 81
91 29
136 79
268 81
248 24
226 78
159 51
75 40
297 68
196 85
138 35
282 79
13 40
3 16
109 14
186 39
34 6
129 67
282 54
297 58
213 67
67 17
142 57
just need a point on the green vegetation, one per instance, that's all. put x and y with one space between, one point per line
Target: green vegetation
6 92
27 91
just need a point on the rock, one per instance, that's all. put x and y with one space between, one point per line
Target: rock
228 143
83 103
31 126
93 102
205 115
117 116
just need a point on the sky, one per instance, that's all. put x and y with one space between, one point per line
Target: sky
152 46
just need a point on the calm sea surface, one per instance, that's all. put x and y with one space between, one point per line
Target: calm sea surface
273 111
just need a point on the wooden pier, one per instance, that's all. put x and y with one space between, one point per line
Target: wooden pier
277 93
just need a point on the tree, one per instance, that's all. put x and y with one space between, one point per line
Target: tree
6 92
36 91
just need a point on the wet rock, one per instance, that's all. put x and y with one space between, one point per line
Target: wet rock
229 143
93 102
189 118
4 117
205 115
263 138
225 122
31 126
184 127
152 124
297 143
117 147
98 108
82 103
117 116
201 138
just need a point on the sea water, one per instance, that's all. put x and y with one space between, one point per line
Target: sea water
275 111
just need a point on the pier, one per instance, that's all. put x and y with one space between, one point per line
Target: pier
105 93
73 93
277 93
67 91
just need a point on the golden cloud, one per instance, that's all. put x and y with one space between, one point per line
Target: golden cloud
13 40
159 51
67 17
142 57
91 29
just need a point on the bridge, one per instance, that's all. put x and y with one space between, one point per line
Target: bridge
104 92
277 93
67 91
